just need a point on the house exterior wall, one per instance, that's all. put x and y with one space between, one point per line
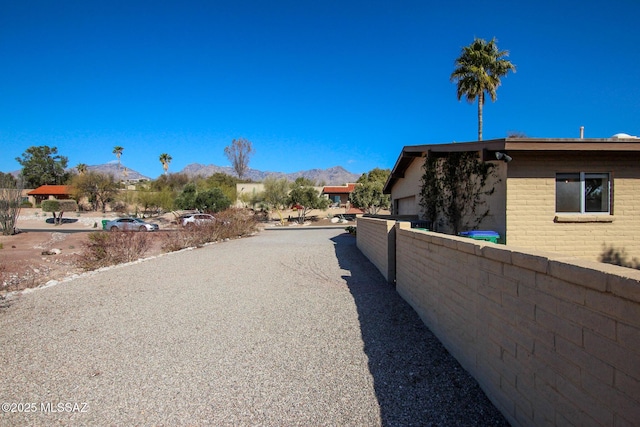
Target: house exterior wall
552 340
405 196
343 198
530 209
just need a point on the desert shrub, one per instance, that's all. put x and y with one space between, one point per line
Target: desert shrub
26 204
236 223
230 223
110 248
187 237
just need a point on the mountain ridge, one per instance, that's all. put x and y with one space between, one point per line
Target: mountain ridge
336 175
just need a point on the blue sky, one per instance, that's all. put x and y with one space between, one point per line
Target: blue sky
313 84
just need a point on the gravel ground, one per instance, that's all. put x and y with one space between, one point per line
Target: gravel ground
289 327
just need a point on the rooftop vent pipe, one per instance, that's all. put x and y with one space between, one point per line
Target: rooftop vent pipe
581 132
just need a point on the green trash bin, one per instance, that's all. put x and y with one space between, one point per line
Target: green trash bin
104 224
486 235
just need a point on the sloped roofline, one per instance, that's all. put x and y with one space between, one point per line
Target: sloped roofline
53 190
339 189
410 152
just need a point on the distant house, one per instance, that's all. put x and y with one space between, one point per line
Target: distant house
46 192
573 196
339 194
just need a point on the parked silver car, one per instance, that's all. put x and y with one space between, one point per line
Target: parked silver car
196 219
130 224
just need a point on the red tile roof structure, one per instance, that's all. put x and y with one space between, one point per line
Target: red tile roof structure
51 190
339 189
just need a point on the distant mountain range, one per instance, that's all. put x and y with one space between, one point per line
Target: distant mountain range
336 175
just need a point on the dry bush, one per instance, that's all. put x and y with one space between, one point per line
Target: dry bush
110 248
2 270
237 223
230 223
186 237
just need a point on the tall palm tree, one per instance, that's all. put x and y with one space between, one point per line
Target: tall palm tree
81 168
165 159
117 150
478 70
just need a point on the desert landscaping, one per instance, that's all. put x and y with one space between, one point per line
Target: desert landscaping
42 252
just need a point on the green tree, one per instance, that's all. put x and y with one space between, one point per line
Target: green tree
117 150
61 206
239 153
276 194
81 168
155 201
6 179
172 181
212 200
98 188
305 197
368 195
226 183
165 159
187 198
42 165
478 71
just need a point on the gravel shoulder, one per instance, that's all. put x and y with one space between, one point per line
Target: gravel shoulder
289 327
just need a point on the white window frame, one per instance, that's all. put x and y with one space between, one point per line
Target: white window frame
583 177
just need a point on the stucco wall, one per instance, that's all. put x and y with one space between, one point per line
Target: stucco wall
405 197
531 216
551 340
407 190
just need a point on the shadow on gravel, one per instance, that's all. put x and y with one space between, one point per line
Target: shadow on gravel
417 382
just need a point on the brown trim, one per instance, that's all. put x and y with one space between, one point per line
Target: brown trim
582 218
611 192
411 152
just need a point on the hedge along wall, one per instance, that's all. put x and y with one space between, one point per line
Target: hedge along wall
552 340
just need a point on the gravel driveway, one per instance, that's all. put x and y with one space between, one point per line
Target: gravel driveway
289 327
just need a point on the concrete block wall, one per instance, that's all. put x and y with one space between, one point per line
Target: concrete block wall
376 240
552 340
532 221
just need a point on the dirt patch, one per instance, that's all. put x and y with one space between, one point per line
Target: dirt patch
42 251
33 258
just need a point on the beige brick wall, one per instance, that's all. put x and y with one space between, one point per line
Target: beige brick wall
531 205
552 340
376 240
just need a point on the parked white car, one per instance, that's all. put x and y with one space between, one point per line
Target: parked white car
196 219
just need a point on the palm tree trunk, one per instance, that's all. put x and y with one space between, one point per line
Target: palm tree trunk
480 104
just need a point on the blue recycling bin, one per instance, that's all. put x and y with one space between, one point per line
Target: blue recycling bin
486 235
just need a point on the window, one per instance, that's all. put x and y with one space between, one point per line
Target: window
582 192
